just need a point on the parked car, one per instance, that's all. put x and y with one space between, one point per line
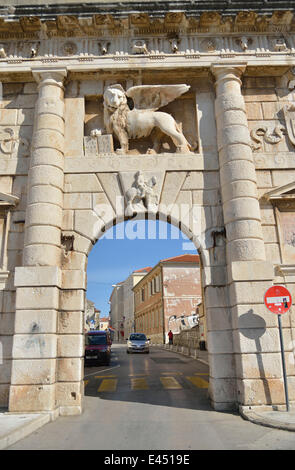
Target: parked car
98 347
138 342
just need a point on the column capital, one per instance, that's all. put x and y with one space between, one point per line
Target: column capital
55 75
228 69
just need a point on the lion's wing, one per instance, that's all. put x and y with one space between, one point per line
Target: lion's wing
154 97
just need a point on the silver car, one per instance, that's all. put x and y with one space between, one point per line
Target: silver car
138 342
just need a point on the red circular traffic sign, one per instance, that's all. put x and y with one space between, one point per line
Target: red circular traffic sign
278 299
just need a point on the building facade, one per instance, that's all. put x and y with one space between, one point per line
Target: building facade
167 296
221 169
122 304
104 323
91 318
116 311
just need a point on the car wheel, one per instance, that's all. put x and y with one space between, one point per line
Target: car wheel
127 352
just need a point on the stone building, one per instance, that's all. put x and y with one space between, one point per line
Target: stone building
167 297
220 166
103 323
116 311
91 318
122 304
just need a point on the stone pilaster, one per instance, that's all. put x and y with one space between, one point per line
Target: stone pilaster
237 171
249 274
46 177
38 281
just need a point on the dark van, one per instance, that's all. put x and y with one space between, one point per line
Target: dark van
98 347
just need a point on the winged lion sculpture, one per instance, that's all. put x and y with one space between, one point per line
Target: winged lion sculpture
139 122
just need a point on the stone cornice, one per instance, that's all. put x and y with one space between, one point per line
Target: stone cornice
145 17
123 8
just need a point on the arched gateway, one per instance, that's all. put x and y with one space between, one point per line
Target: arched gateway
220 163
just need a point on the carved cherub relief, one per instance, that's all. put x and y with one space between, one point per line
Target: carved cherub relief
125 124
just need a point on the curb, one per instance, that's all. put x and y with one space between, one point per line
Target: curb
19 426
175 350
268 421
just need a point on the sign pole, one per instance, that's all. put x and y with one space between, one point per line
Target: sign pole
278 300
283 362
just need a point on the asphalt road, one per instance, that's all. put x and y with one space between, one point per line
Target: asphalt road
152 401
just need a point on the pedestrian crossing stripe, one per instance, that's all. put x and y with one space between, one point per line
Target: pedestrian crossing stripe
139 384
108 385
138 375
170 383
172 373
198 382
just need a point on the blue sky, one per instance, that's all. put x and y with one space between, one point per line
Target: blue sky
127 247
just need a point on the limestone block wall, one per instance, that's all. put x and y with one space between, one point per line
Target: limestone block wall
273 154
86 197
16 127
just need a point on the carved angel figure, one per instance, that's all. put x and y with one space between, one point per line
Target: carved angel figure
139 122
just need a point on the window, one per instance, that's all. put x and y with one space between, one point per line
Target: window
142 295
151 288
157 284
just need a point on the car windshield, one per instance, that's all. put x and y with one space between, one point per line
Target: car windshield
138 337
94 340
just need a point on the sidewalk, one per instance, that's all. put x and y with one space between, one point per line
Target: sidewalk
264 416
16 426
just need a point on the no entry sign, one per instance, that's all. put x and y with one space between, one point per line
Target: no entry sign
278 299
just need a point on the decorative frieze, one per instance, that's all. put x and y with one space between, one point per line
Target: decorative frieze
153 21
71 40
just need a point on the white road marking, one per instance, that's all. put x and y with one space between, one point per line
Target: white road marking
99 371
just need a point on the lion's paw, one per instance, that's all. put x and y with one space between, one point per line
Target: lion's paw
151 152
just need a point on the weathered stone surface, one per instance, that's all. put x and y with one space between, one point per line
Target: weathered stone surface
34 371
37 298
35 321
66 203
82 183
37 276
72 299
70 370
32 398
70 346
69 394
31 346
70 322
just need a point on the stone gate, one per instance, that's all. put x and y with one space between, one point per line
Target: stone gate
223 171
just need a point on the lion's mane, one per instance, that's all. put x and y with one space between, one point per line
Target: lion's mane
115 119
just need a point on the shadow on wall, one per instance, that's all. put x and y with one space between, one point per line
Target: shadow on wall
250 318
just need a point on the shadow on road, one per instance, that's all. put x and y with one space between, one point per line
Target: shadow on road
150 370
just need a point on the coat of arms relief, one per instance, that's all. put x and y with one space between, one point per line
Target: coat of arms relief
269 133
289 114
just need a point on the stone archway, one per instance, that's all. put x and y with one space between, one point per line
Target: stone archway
59 291
64 219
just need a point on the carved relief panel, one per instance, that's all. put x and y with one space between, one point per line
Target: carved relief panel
7 202
283 200
145 119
